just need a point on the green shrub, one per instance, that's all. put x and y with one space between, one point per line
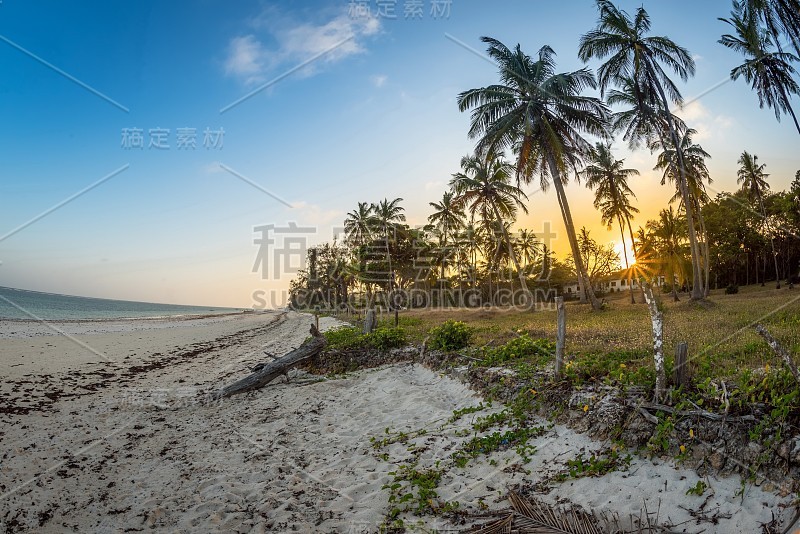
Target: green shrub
451 335
345 337
385 338
732 289
349 337
522 346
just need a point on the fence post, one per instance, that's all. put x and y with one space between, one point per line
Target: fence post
369 321
561 333
680 372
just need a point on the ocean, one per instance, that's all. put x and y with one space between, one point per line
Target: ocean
24 304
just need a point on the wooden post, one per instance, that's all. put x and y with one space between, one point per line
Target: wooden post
369 321
657 320
316 320
561 334
681 371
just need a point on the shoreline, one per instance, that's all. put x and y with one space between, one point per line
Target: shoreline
108 447
182 316
28 328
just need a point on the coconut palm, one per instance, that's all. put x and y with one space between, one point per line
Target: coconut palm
767 70
693 157
386 214
358 224
541 115
633 55
669 234
609 180
448 218
753 179
467 243
640 119
484 187
528 246
780 17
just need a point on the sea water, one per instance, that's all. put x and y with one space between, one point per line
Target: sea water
34 305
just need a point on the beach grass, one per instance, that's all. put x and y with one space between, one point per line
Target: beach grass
719 331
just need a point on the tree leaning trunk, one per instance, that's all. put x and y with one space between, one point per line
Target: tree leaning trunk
706 251
635 256
583 277
697 291
625 253
511 253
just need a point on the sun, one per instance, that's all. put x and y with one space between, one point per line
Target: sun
618 248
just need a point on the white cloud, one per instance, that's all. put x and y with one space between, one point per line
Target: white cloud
693 111
438 184
314 215
379 80
707 124
245 58
334 40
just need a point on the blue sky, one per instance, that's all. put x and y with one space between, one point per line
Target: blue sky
375 117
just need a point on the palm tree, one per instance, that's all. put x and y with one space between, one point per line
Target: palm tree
769 72
641 121
528 245
646 258
753 179
541 115
358 224
448 218
638 57
609 180
386 214
484 188
468 245
693 157
669 233
781 17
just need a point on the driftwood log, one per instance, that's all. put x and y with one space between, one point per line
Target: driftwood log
265 373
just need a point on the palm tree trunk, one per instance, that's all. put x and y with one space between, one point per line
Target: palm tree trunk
511 253
697 291
635 257
625 253
583 277
771 241
388 256
706 253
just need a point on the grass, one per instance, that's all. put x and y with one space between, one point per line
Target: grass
719 332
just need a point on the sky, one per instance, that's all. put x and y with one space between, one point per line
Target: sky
144 144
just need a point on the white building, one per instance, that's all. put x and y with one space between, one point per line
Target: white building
611 284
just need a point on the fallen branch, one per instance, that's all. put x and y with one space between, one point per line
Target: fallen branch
643 407
779 351
265 373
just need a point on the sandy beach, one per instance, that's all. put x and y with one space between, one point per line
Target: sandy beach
103 431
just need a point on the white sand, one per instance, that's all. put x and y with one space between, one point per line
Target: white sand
142 454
